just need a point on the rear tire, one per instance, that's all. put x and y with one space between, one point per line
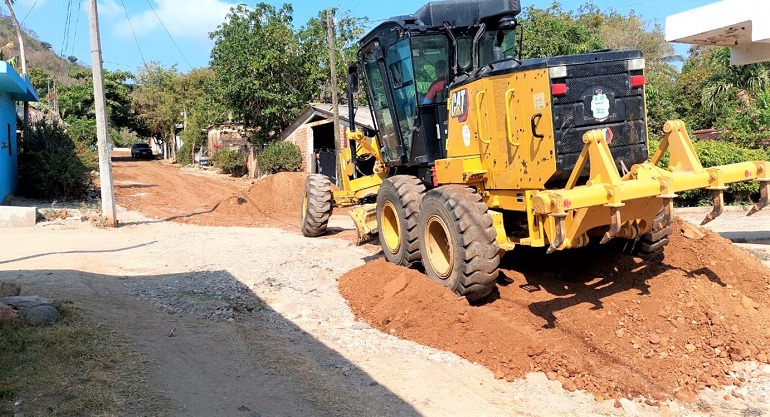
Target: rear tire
316 205
398 206
458 242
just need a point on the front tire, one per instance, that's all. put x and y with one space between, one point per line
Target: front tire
458 242
316 205
398 206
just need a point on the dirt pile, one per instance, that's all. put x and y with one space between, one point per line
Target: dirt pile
592 319
276 196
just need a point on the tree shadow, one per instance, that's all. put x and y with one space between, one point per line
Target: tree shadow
217 348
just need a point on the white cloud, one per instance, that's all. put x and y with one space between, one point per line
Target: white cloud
107 8
192 19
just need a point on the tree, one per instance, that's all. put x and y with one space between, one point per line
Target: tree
313 44
733 82
157 102
267 72
259 67
553 32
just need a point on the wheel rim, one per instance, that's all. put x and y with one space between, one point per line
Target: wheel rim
390 227
439 247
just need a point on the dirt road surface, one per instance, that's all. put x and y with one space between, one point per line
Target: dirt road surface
259 326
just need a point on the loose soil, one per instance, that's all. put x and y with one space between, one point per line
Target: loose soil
591 319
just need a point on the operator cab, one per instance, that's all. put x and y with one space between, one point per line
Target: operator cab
410 62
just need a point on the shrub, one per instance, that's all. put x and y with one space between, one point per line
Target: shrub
280 157
713 153
229 161
52 165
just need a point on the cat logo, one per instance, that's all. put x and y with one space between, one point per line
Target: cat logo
460 105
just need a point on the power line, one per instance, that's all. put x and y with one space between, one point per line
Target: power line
354 7
169 35
68 19
77 22
28 12
128 19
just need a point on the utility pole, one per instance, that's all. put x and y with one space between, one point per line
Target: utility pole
335 104
105 162
23 58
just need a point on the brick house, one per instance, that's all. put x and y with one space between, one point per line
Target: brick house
313 132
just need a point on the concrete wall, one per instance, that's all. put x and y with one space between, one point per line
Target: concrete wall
9 176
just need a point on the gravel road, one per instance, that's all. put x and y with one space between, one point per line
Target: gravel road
246 321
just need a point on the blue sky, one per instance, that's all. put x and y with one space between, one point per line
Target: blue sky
176 31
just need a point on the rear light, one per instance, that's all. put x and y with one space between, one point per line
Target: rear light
637 81
558 72
635 64
559 89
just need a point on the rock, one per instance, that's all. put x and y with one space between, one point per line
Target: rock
395 286
551 375
690 231
665 411
25 303
748 303
43 315
535 349
690 347
762 358
569 386
715 342
654 339
9 289
686 396
712 382
735 357
8 313
617 404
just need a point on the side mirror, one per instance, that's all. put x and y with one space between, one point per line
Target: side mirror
353 78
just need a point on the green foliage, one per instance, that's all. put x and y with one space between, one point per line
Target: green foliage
82 130
52 165
267 72
123 138
156 101
748 126
76 101
280 157
229 161
714 153
553 31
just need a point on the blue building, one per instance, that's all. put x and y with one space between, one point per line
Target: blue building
13 89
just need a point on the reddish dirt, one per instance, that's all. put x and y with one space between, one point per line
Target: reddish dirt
590 318
163 191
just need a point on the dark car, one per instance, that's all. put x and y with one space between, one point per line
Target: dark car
141 150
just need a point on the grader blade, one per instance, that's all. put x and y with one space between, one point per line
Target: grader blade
718 201
764 192
365 219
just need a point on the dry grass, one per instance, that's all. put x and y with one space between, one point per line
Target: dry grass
76 367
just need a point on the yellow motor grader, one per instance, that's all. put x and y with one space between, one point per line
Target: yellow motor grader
476 151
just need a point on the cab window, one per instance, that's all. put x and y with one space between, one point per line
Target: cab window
429 54
398 61
508 38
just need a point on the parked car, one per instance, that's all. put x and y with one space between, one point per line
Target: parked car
141 150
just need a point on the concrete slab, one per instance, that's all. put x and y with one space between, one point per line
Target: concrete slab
742 25
17 216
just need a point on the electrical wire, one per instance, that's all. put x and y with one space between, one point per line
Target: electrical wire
169 35
77 22
65 41
128 19
28 12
